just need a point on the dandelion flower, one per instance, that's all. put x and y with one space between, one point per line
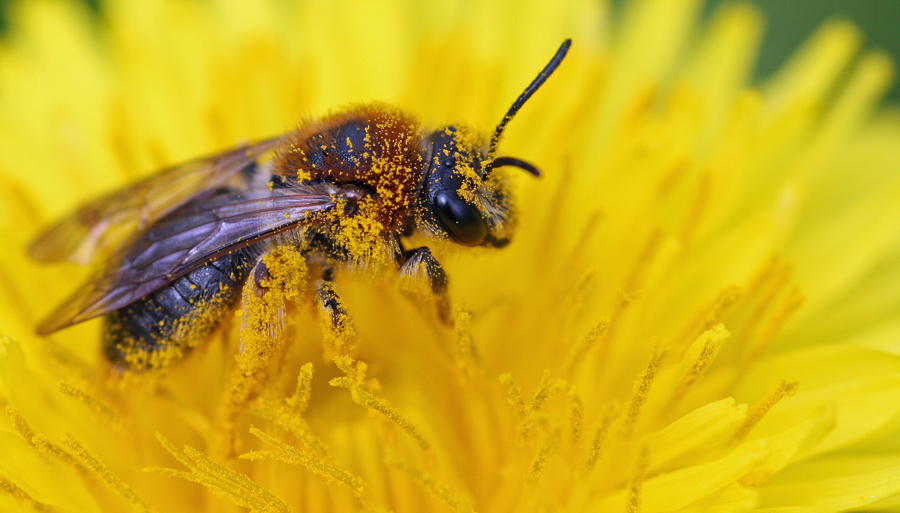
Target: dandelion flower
698 312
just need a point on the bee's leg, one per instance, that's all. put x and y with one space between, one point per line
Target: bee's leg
418 267
277 277
262 314
337 325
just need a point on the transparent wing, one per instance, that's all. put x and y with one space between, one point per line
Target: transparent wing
185 239
97 227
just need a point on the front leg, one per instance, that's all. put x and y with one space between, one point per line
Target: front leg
418 267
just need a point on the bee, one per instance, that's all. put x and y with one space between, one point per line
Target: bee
344 190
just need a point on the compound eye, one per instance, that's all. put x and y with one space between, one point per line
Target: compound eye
463 223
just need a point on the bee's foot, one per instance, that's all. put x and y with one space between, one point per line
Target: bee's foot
337 326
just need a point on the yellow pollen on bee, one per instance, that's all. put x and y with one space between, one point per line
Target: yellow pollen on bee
361 234
469 188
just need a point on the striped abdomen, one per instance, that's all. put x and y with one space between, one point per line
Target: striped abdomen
159 328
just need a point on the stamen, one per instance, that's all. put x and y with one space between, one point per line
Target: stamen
638 111
765 403
94 404
515 398
668 182
66 358
19 494
526 413
577 415
288 454
458 502
52 450
468 360
104 474
243 491
574 301
19 423
697 359
40 443
514 395
580 348
639 269
582 242
636 484
540 459
779 276
764 275
708 318
542 392
197 420
300 400
641 389
609 414
362 397
285 416
629 289
769 284
790 305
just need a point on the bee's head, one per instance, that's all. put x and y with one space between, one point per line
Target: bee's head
463 198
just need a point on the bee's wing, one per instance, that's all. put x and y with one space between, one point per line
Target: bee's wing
98 226
184 240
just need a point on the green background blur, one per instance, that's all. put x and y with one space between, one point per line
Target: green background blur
789 22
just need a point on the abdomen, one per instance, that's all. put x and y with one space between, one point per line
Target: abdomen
160 328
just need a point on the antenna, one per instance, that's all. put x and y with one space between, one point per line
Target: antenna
529 91
510 161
